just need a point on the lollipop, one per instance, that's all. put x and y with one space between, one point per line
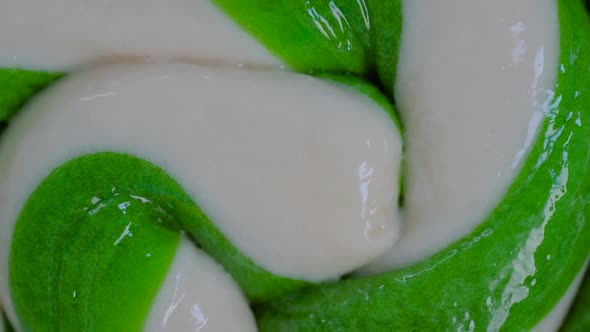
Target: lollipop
291 182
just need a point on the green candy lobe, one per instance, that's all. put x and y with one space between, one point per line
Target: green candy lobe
506 275
89 227
345 36
83 265
386 36
310 35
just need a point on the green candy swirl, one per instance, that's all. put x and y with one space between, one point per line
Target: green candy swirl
507 274
63 242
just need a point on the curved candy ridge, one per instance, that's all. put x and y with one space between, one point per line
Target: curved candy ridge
102 202
113 181
512 269
508 289
90 206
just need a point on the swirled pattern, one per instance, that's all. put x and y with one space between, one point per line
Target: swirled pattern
507 272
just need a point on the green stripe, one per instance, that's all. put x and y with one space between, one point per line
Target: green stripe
58 212
514 268
62 242
340 36
386 37
17 86
73 267
288 29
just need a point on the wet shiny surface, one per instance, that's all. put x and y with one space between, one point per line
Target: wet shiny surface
198 295
474 82
514 267
287 160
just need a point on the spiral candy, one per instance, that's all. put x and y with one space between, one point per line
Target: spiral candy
250 154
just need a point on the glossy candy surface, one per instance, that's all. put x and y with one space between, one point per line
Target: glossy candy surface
505 275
